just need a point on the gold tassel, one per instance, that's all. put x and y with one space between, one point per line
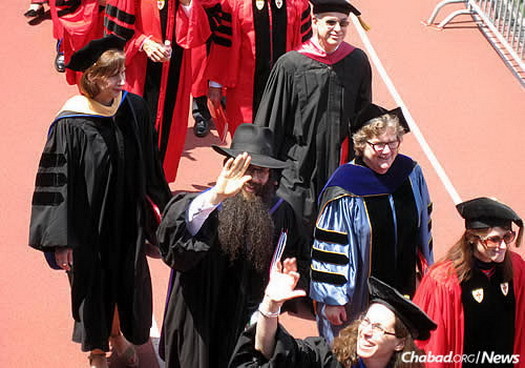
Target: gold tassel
365 26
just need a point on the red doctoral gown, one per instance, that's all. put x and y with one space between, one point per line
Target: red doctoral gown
248 37
439 295
76 22
137 20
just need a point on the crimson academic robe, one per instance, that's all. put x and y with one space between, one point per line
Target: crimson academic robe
58 29
439 295
77 22
137 20
199 85
248 38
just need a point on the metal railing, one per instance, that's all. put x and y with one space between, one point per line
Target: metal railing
502 22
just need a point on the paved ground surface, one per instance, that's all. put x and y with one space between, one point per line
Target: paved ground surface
467 106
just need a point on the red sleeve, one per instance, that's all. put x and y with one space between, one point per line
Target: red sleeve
193 29
439 295
124 19
58 29
302 27
77 22
199 85
518 269
223 61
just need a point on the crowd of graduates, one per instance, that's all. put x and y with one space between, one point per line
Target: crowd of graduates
315 210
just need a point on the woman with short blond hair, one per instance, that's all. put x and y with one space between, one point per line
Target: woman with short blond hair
374 220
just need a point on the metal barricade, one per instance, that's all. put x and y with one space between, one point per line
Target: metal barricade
502 22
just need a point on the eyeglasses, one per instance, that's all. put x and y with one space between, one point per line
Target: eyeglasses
380 146
377 329
495 241
331 23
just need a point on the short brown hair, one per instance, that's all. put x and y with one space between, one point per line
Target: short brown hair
107 65
375 128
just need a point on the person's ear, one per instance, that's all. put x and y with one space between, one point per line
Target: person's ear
400 345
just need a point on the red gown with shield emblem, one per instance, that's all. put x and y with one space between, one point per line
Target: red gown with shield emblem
439 295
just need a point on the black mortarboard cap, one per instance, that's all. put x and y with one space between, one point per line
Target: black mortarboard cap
89 54
338 6
373 111
485 212
331 6
417 321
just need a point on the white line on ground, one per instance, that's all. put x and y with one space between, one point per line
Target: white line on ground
154 334
154 330
449 187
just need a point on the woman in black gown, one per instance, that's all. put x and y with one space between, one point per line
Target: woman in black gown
97 179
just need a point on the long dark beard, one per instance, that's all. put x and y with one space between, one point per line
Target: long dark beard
246 230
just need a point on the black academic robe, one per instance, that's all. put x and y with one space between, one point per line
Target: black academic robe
312 352
309 105
90 195
210 299
487 297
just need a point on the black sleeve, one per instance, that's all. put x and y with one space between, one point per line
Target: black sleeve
180 250
312 352
277 104
365 88
51 220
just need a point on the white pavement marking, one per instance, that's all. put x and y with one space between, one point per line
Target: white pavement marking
154 330
449 187
154 334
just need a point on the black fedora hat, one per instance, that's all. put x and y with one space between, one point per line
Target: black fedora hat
89 54
257 141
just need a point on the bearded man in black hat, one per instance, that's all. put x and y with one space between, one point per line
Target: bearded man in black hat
476 294
220 245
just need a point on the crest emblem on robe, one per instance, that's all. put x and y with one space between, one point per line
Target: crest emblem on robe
279 4
259 4
160 4
478 295
504 288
